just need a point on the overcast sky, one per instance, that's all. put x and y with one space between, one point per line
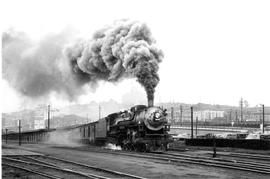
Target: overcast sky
214 51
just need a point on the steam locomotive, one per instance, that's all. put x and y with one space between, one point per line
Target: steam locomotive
140 128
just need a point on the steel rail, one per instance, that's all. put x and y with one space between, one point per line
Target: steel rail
262 165
33 171
247 156
233 154
58 168
218 164
97 168
192 161
232 163
121 174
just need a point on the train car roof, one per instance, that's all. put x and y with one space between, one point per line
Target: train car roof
31 131
77 126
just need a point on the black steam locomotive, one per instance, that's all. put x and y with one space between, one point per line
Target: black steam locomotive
141 128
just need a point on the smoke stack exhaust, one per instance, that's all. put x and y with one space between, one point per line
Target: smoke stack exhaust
151 101
125 49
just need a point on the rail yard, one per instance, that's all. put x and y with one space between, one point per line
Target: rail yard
58 161
138 90
121 144
137 139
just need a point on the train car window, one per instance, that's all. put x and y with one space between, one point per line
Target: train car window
88 131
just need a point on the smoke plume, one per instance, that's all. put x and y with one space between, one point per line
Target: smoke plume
125 49
35 69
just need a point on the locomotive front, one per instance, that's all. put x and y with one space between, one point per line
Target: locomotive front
154 118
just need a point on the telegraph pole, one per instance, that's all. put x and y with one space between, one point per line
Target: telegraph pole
263 118
172 117
6 135
236 117
191 110
99 111
230 116
20 132
181 115
49 117
241 110
196 125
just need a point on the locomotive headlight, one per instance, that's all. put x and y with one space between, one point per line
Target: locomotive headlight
157 116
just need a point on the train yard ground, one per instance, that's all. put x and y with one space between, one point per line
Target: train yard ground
193 162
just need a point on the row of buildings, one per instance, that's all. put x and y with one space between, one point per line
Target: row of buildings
30 119
38 119
182 114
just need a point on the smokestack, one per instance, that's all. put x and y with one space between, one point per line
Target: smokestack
151 101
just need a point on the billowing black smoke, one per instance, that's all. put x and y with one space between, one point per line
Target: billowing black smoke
125 49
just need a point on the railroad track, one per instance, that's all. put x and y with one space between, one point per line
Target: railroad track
177 158
247 166
223 159
223 163
57 168
246 156
262 158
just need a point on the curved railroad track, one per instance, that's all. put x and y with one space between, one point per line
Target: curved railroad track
56 168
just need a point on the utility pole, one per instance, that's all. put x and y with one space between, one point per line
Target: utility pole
241 110
99 109
49 111
230 116
191 110
172 117
204 117
20 132
6 135
236 118
263 118
181 114
196 126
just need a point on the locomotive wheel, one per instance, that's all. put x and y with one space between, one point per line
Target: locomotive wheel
128 147
132 147
124 147
143 148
